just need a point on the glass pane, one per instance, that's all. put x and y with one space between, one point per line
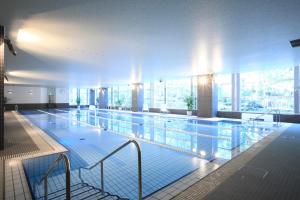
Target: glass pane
264 91
224 92
159 94
72 96
83 96
176 91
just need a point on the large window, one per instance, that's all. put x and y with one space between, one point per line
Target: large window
159 94
170 93
224 92
83 93
72 96
125 93
264 91
122 93
147 95
176 92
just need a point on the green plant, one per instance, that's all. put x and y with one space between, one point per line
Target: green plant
189 100
98 100
78 100
119 102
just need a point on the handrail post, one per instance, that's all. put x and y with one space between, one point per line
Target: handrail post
140 195
102 177
68 177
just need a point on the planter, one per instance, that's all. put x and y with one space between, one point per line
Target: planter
189 112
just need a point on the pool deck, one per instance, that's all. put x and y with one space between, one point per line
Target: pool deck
23 141
197 185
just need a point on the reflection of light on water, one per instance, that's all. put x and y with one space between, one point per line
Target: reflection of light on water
141 136
194 150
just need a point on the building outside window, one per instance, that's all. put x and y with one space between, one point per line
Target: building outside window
194 90
125 93
159 94
72 96
109 94
83 93
224 92
265 91
176 92
147 95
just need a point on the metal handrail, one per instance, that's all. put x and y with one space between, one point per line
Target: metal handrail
101 162
65 158
275 112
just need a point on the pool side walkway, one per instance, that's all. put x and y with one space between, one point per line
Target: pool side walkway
22 141
269 170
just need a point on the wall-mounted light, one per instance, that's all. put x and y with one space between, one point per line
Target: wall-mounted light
9 92
30 92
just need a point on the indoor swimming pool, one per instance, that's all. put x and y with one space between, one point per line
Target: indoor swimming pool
172 147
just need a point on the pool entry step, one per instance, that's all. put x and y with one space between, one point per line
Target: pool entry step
82 191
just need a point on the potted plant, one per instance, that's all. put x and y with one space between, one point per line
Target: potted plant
189 100
78 100
119 103
97 102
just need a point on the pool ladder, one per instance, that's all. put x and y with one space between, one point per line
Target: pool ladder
64 157
101 162
66 160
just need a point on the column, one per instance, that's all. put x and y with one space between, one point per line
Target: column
235 91
103 98
296 90
207 96
1 87
137 97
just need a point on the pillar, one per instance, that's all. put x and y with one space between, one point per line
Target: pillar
103 98
207 96
235 91
296 90
1 87
137 97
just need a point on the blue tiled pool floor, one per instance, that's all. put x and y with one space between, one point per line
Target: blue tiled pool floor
87 145
90 135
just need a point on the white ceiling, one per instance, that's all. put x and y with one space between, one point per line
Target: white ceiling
93 42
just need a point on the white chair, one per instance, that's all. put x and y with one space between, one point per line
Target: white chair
145 108
163 108
92 107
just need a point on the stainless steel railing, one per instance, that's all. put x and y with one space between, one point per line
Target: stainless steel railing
101 162
65 158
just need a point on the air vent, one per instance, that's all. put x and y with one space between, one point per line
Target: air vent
295 43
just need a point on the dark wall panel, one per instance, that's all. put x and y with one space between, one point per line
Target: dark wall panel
1 87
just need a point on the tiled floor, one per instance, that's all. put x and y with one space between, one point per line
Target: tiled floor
13 178
192 186
203 187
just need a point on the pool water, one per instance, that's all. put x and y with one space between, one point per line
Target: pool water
172 147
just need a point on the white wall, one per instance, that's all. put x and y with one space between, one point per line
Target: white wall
61 95
31 94
25 94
